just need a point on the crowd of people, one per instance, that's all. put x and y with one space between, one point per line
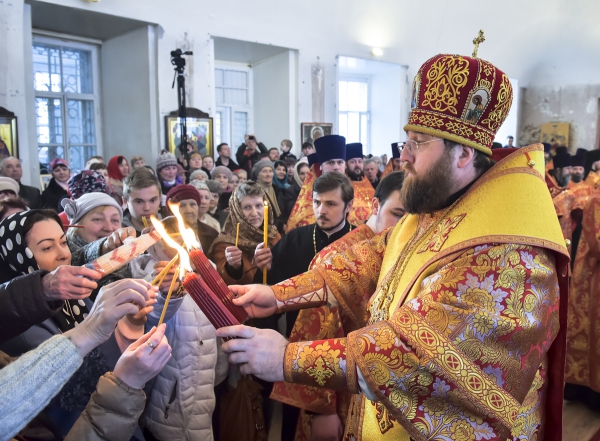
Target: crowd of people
115 374
414 298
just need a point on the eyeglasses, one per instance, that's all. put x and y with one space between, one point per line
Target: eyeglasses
413 146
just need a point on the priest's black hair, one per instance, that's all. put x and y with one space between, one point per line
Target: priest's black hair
388 185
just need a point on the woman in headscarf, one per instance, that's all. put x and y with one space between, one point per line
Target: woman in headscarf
263 174
238 264
97 214
222 175
35 240
293 191
280 178
118 169
57 187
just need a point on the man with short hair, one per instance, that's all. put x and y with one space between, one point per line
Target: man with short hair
224 158
249 152
325 408
371 171
273 154
466 320
141 191
11 168
509 143
307 148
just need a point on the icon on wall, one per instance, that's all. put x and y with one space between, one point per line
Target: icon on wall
199 132
313 130
8 134
556 132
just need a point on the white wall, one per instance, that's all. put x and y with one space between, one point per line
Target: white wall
130 121
275 99
388 91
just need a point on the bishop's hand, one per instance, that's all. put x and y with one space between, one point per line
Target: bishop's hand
260 352
258 300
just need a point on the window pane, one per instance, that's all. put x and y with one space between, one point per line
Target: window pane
364 127
353 127
77 70
48 116
343 130
78 155
80 115
218 128
46 68
240 127
47 154
343 96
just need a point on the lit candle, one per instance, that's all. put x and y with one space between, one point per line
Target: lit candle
164 311
266 237
237 234
145 222
216 284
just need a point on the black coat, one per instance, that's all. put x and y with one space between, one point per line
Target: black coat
32 195
52 196
247 162
290 196
23 305
231 166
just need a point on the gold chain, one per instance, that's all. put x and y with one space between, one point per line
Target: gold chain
380 307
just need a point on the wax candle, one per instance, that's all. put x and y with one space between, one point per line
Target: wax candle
166 305
216 284
237 234
208 302
266 237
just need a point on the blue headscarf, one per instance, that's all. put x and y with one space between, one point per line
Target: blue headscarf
280 183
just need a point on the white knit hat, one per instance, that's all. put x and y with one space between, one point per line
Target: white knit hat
75 210
9 184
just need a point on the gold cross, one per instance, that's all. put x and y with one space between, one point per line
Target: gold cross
477 41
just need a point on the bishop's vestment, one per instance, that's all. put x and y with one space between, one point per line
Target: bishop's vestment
466 334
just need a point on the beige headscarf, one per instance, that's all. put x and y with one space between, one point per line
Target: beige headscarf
250 236
268 189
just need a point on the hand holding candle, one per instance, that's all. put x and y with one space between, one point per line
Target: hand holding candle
266 237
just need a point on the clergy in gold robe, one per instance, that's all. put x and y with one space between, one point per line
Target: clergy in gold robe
331 156
466 332
592 168
577 184
394 164
351 314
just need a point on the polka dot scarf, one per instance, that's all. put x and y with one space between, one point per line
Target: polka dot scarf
18 260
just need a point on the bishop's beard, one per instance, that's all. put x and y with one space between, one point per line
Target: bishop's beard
430 191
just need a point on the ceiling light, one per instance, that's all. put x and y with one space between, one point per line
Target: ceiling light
377 52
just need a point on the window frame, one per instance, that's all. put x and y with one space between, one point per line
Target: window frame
357 79
75 43
230 109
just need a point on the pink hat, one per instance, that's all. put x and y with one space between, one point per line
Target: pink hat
58 161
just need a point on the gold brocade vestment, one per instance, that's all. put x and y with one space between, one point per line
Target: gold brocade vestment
463 319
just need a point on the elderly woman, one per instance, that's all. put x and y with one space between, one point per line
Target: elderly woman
198 175
189 201
204 205
98 216
263 174
57 187
222 175
293 191
35 240
238 264
118 169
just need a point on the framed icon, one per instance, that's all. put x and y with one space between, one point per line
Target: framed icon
8 134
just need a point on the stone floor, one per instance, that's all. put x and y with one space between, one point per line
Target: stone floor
579 422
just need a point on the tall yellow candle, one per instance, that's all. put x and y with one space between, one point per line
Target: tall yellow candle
237 234
266 237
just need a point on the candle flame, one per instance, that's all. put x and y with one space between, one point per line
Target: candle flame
266 203
184 258
188 235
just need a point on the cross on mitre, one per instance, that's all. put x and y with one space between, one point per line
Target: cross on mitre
477 41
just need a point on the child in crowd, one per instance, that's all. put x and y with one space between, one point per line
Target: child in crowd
137 162
285 147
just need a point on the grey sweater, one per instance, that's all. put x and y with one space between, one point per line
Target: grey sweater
28 384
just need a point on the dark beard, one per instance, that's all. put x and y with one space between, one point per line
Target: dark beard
576 177
355 176
430 192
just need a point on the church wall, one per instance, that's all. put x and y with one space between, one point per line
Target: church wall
575 104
